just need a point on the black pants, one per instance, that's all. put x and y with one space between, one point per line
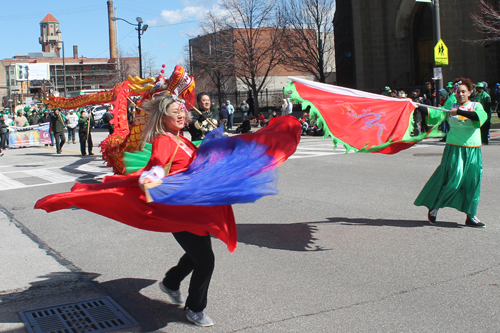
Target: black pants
3 139
200 260
60 140
83 141
111 129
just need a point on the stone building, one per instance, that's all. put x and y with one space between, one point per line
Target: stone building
390 43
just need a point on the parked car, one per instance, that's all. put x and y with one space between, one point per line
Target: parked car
98 111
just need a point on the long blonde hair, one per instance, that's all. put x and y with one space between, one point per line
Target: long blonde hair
157 108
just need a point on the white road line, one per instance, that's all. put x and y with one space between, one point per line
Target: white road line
313 148
51 176
308 155
7 183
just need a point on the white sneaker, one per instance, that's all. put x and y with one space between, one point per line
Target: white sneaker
199 318
175 295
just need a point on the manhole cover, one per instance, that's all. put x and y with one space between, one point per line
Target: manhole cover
428 154
95 315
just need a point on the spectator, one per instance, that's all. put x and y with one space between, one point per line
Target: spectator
387 91
3 134
86 122
250 104
224 115
418 118
260 120
429 94
33 118
58 126
72 122
20 120
284 107
244 108
107 118
199 125
485 100
230 111
245 126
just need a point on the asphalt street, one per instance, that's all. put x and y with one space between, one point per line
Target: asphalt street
341 248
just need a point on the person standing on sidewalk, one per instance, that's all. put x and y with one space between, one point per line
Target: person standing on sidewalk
72 121
85 123
58 126
230 118
244 108
107 118
485 100
224 115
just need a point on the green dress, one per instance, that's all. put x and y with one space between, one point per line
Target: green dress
456 182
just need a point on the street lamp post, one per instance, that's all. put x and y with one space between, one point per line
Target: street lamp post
58 32
140 31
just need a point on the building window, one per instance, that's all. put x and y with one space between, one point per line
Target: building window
93 67
51 34
93 78
12 82
74 68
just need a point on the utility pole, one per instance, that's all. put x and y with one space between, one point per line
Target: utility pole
437 38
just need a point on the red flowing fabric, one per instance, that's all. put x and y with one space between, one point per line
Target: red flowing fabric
280 130
120 198
365 121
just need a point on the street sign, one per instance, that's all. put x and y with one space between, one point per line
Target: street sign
441 53
438 73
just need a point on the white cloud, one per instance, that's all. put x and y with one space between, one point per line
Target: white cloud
188 13
193 10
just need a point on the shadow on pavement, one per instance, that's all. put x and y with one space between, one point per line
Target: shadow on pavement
300 236
389 223
290 237
61 288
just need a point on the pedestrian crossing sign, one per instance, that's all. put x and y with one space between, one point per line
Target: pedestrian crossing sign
441 53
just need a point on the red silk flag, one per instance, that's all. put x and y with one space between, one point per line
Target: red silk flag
361 121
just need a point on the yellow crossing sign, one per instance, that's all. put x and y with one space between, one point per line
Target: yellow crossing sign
441 53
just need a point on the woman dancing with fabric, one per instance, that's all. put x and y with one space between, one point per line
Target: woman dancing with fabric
167 120
456 182
122 198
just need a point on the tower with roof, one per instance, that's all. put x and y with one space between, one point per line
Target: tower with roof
49 38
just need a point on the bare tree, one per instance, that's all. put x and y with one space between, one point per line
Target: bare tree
212 54
488 23
309 41
257 38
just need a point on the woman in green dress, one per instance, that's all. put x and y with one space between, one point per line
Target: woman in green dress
456 182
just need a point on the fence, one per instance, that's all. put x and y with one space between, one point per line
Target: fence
268 99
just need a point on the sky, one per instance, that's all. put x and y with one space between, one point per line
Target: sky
85 23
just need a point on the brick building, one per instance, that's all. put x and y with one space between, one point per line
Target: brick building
390 42
213 52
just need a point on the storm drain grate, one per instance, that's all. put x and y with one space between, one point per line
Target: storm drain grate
95 315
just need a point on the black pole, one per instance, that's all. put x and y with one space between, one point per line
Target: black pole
437 38
140 55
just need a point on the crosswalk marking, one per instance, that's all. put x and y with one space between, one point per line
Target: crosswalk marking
54 175
51 176
7 183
